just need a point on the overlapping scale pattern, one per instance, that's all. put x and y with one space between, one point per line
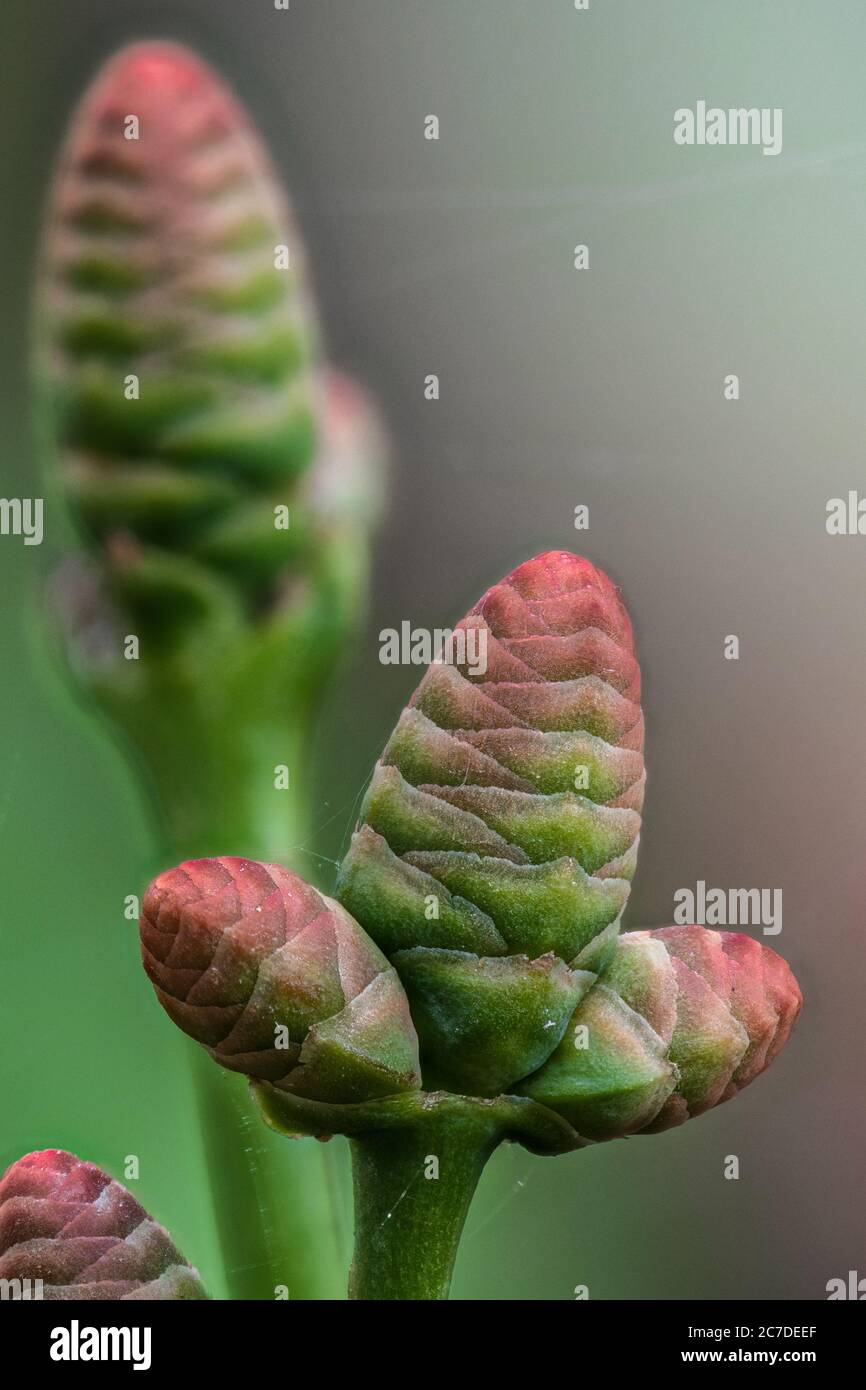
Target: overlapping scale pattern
492 863
172 256
493 892
276 981
502 819
511 796
69 1225
682 1019
161 253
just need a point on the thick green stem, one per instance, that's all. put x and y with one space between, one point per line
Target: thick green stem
274 1202
417 1158
413 1188
215 790
217 773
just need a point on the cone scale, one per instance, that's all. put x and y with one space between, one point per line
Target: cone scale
222 478
222 483
69 1232
491 866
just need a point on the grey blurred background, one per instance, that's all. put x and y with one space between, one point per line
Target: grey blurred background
558 387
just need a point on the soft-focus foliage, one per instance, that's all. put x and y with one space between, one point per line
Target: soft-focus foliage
224 479
163 260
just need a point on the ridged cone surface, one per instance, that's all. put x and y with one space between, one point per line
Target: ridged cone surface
277 981
493 893
682 1019
68 1224
161 261
518 787
492 862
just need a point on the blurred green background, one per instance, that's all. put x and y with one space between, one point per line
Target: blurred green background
601 387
